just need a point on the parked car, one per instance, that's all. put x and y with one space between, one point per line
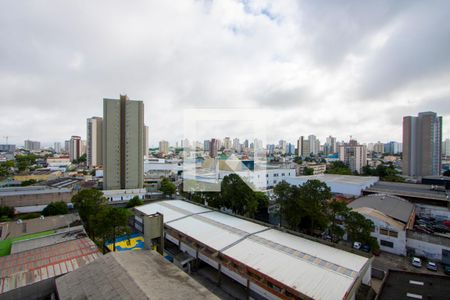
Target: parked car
357 245
432 266
416 262
365 248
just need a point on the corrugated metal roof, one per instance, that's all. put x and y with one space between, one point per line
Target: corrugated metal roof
28 267
314 269
392 206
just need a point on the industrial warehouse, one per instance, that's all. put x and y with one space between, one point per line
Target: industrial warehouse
270 263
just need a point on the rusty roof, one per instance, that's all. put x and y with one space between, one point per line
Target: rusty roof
24 268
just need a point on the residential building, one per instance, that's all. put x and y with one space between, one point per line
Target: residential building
353 155
67 146
146 147
236 145
271 149
123 143
94 149
206 145
446 148
393 148
422 142
314 144
57 147
7 148
32 145
378 147
164 147
330 145
227 143
282 146
75 147
213 148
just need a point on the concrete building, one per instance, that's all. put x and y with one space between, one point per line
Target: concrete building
7 148
227 143
94 149
57 147
164 147
378 147
67 146
353 155
314 144
317 168
130 275
330 145
392 217
422 142
206 145
75 148
146 139
236 145
446 148
213 148
123 144
32 145
269 263
33 196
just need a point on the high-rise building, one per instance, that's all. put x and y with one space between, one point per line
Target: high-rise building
300 143
330 145
213 148
422 142
8 148
75 147
94 149
353 155
145 141
378 147
313 144
206 145
164 147
67 146
57 147
446 148
393 147
227 143
282 146
123 143
32 145
236 145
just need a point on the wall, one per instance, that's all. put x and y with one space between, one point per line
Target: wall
427 245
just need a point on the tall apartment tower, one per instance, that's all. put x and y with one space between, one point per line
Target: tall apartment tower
145 141
74 147
353 155
213 147
94 142
422 142
164 147
123 143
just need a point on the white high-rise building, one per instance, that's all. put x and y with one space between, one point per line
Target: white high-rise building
353 155
227 143
145 141
123 144
446 148
330 145
32 145
94 147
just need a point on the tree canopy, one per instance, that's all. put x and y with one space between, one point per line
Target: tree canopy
338 167
168 188
55 208
385 172
135 201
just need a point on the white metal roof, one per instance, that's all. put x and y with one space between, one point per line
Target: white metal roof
314 269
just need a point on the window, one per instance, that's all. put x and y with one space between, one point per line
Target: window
393 233
384 231
386 243
273 287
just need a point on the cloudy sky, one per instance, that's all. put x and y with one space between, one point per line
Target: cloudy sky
323 67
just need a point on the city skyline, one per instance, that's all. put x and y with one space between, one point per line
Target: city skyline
391 61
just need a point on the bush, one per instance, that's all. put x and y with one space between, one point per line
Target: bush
6 211
55 208
135 201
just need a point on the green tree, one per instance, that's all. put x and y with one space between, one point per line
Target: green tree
308 171
88 203
24 162
55 208
290 207
135 201
338 167
167 187
111 222
359 228
6 213
238 196
28 182
314 195
298 160
336 209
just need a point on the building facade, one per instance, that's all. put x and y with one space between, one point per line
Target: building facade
94 147
75 148
164 147
353 155
32 145
123 139
422 142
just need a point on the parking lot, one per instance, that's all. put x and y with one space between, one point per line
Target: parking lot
387 261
